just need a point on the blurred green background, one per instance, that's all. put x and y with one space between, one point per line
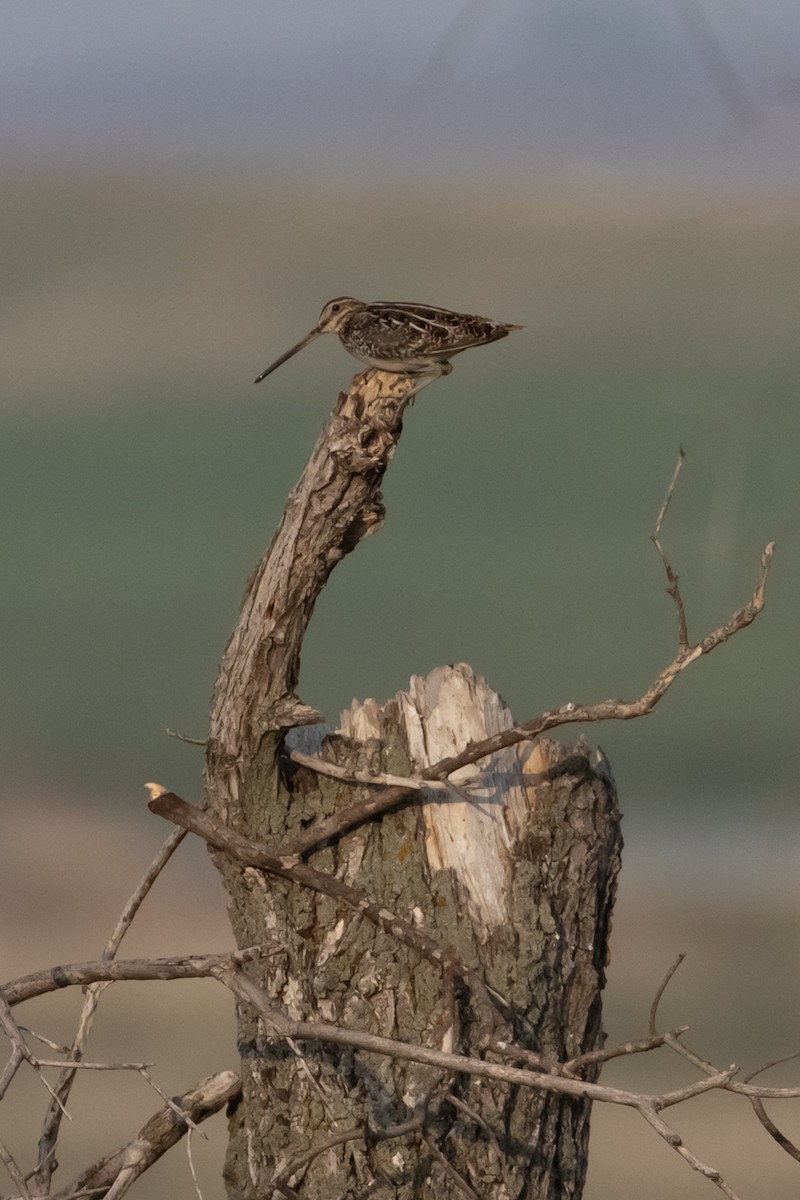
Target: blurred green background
179 199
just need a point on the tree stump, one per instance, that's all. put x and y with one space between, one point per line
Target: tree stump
513 871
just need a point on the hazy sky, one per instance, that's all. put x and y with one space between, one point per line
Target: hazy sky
413 84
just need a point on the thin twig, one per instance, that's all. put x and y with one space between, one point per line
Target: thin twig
617 710
673 1139
315 1084
648 1106
44 1040
720 1079
662 512
772 1129
141 890
182 737
195 1180
63 1086
455 1100
218 966
531 1059
624 1049
328 828
673 588
285 1173
280 1026
456 1176
93 1066
250 853
178 1109
775 1062
116 1172
182 966
739 1087
21 1053
11 1165
19 1047
363 778
129 1162
662 987
254 854
696 1060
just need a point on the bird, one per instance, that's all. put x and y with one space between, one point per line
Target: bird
407 339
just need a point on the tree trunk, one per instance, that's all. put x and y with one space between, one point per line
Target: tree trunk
514 871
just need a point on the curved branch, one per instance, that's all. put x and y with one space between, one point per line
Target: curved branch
763 1116
55 1110
198 966
114 1174
253 854
569 714
221 967
617 710
160 1133
333 507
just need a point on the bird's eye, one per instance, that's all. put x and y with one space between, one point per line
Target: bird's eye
335 307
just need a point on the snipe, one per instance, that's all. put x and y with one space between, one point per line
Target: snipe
408 339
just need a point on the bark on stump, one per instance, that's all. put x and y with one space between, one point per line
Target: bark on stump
515 871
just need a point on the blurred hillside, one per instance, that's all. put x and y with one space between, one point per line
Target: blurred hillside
142 474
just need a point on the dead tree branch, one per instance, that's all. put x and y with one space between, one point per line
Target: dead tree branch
120 1169
165 1128
673 588
197 966
63 1086
617 710
662 987
14 1171
569 714
675 1142
226 968
335 505
772 1129
251 854
20 1053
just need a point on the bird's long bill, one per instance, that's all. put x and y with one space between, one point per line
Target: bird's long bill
315 332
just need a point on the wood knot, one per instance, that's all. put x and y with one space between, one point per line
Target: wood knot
359 447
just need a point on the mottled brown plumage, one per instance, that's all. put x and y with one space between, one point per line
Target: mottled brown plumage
409 339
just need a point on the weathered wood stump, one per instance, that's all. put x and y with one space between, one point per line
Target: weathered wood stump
514 871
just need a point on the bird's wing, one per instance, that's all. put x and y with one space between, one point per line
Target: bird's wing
441 331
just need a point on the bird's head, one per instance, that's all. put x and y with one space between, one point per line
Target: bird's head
336 312
331 320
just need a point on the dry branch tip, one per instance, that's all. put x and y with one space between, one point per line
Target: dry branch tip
662 987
